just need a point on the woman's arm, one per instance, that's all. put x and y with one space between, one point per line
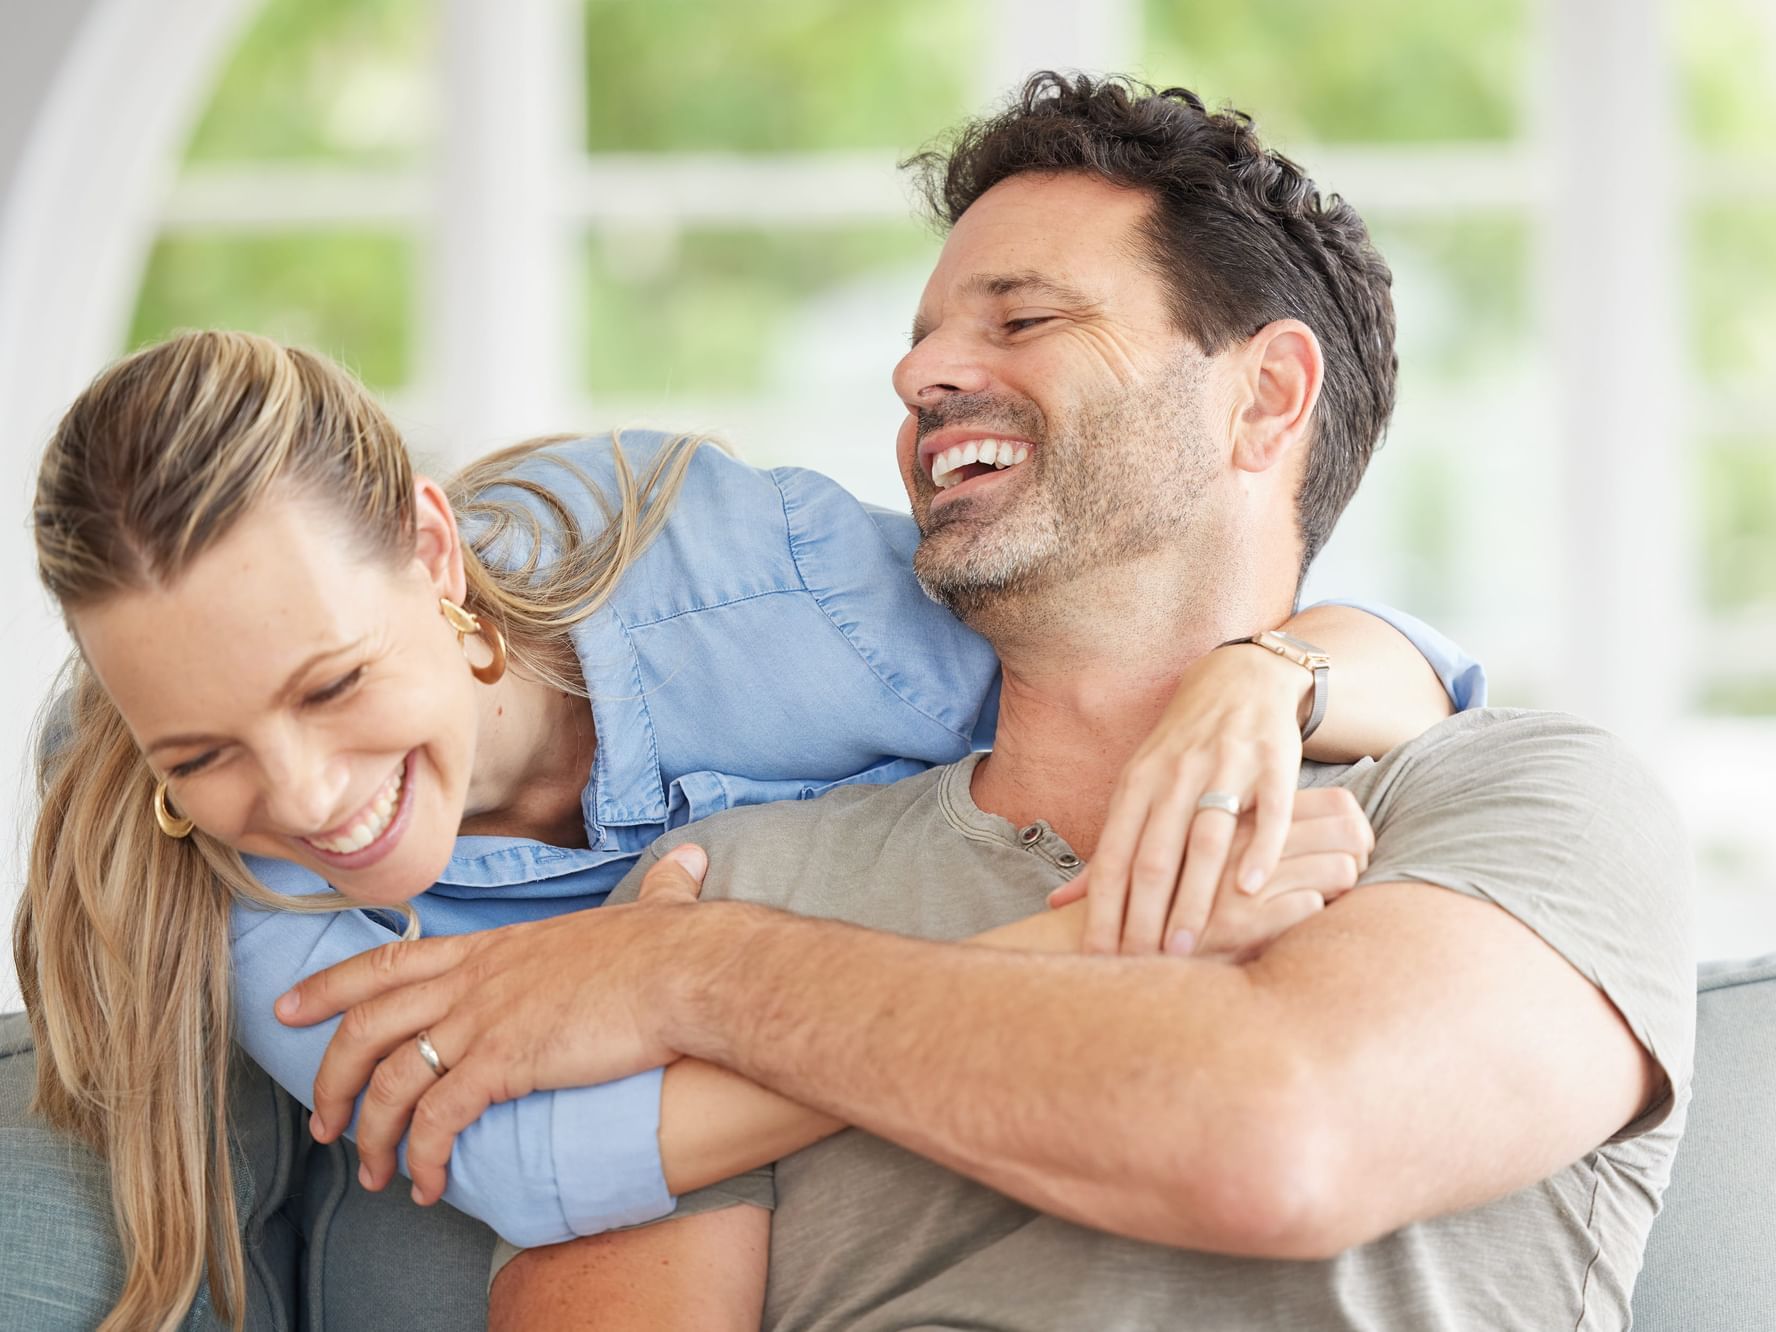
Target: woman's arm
1231 737
705 1272
1385 688
714 1124
520 1168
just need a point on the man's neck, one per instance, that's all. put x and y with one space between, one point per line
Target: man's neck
1082 690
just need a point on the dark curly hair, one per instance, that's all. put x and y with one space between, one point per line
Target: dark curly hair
1239 233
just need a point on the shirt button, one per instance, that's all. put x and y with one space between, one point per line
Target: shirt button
1067 860
1031 835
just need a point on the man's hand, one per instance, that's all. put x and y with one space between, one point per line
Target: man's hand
566 1002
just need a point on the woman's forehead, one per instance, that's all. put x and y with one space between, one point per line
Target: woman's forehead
226 634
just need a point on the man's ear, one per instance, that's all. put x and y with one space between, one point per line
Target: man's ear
439 544
1282 370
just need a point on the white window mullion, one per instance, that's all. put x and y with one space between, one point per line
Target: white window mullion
1611 257
1096 36
499 288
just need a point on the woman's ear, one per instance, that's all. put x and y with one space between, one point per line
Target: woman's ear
439 545
1283 371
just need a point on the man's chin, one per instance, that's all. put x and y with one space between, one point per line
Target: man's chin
969 589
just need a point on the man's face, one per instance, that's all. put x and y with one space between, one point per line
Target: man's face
1043 343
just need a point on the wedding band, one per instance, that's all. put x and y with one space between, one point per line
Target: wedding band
1227 804
429 1053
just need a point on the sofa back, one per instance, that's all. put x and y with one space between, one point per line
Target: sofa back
1711 1259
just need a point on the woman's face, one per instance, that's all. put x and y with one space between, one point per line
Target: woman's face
303 702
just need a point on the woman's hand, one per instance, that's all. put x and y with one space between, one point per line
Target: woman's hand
566 1001
1326 851
1232 729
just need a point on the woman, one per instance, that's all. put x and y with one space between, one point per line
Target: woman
273 616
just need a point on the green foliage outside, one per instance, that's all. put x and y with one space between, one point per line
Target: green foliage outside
347 294
1462 291
326 79
1334 71
1727 50
1738 494
703 75
1732 287
705 315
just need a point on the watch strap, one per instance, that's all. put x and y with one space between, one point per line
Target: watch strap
1305 655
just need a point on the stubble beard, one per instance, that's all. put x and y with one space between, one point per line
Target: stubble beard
1121 480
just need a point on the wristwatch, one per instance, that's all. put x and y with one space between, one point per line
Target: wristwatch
1306 656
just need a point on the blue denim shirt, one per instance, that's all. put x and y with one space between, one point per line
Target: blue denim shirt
769 645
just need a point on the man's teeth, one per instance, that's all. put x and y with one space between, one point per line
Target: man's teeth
997 453
371 824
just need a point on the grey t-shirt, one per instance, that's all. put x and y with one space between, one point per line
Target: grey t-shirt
1544 815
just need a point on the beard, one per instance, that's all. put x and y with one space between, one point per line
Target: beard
1122 477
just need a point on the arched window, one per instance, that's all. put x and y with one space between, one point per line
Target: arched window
556 214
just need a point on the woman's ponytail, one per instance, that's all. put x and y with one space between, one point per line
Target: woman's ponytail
121 944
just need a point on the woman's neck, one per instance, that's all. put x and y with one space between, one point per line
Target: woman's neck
534 748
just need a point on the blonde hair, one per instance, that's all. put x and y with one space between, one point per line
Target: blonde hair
122 937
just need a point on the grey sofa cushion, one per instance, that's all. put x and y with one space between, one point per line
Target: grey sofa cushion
60 1263
1709 1261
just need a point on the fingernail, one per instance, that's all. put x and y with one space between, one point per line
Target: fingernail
364 1176
1251 881
692 857
418 1197
288 1004
1182 943
316 1128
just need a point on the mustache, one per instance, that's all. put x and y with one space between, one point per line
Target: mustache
984 411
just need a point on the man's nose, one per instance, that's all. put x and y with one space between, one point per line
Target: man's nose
943 363
303 789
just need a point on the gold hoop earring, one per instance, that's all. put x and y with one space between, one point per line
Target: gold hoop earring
170 823
466 623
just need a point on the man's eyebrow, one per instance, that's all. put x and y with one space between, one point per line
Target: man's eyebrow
289 687
1028 282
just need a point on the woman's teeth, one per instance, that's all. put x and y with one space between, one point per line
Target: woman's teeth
997 453
371 824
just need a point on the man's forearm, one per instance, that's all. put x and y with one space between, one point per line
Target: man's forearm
1148 1096
716 1123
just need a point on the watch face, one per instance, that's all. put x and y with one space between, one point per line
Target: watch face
1299 650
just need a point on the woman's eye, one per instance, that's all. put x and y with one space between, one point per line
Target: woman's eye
191 766
337 688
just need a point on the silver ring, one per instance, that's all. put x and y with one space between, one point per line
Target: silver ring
429 1053
1227 804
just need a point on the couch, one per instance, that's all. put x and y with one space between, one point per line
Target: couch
1708 1262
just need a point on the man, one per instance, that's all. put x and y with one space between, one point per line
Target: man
1449 1100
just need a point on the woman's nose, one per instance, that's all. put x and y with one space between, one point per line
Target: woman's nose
303 791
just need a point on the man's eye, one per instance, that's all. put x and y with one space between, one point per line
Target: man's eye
337 689
191 766
1019 325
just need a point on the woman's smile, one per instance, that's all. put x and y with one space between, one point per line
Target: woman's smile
374 830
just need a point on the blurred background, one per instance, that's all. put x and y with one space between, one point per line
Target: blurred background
544 215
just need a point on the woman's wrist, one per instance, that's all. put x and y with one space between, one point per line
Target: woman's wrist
1280 678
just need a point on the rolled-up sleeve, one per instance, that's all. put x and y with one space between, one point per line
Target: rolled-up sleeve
1463 677
539 1170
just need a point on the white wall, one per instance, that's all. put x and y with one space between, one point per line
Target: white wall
96 97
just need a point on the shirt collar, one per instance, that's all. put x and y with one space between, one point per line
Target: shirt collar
625 788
